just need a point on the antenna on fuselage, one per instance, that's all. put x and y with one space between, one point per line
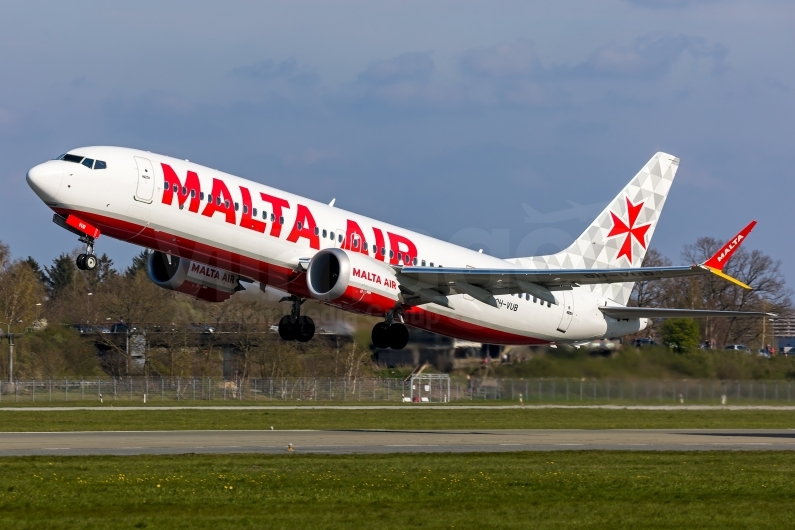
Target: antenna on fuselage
332 201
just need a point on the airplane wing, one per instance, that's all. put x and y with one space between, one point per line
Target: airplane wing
483 284
652 312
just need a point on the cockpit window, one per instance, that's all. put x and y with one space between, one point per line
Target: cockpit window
90 163
72 158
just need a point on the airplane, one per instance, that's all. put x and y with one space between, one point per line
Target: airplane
208 231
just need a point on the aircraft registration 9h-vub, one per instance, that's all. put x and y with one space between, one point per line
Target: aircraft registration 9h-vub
208 231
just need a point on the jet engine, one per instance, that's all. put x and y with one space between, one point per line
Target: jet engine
352 280
191 278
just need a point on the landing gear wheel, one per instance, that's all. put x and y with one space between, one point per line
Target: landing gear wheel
89 262
380 336
398 336
81 262
304 329
286 329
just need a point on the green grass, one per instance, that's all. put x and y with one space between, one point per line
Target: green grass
330 418
515 490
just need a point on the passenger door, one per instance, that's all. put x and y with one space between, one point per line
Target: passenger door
146 180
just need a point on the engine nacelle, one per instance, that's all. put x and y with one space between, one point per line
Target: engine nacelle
191 278
353 280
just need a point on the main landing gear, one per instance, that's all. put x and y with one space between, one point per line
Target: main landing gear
390 334
294 326
87 261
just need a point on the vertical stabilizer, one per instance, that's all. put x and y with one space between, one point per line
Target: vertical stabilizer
620 235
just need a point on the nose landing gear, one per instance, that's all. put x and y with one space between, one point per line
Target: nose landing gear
295 326
390 334
87 261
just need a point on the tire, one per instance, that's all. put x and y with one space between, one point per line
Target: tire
304 329
380 336
286 329
81 262
90 262
398 336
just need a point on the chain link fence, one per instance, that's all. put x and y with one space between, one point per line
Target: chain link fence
322 390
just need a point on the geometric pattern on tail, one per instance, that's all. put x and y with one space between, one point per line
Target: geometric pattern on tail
620 235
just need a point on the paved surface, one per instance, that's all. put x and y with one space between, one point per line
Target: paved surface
412 406
366 441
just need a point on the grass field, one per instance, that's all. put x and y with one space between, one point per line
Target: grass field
330 418
516 490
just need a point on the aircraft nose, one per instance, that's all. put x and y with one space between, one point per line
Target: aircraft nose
45 179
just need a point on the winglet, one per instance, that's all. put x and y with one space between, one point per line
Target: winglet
722 256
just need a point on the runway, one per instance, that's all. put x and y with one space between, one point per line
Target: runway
377 441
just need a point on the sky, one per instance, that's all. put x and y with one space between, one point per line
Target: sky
449 118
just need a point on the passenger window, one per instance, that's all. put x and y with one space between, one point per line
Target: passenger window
339 238
245 209
184 190
364 246
255 212
527 296
325 233
431 264
331 236
218 201
535 300
391 254
317 231
423 263
237 206
192 194
72 158
273 218
415 261
298 225
226 204
99 164
400 256
355 243
201 195
175 189
281 219
383 251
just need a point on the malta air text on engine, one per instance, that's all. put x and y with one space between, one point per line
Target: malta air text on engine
374 278
401 250
207 272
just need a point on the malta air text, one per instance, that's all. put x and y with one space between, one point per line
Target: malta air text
219 201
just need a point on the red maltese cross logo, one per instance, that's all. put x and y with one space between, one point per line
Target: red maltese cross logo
620 228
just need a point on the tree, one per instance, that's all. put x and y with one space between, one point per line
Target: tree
34 266
19 293
681 333
61 276
768 292
138 264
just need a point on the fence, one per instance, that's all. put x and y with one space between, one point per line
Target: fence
155 389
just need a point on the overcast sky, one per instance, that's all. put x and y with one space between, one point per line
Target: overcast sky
443 117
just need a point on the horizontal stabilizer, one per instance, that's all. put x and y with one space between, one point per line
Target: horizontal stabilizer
654 312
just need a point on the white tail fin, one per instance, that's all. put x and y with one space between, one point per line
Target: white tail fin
620 235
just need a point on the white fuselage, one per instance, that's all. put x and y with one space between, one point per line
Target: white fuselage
129 200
